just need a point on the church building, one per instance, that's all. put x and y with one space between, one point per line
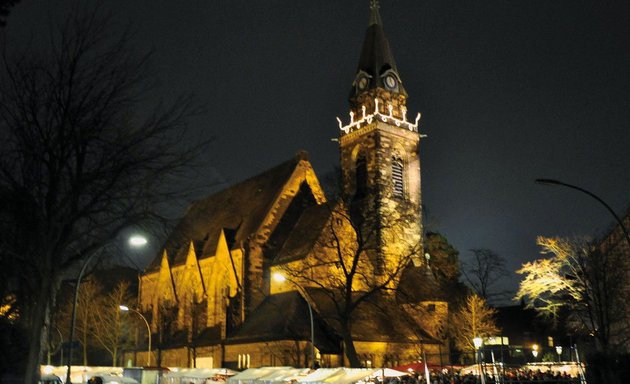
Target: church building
272 272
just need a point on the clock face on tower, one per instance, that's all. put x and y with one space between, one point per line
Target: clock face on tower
391 82
363 83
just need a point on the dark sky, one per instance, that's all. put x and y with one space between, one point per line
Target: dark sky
509 91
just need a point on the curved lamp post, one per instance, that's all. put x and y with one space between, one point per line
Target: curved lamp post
73 317
281 278
594 196
125 308
134 241
478 342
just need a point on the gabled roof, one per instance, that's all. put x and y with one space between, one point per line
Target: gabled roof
240 208
285 316
304 234
378 319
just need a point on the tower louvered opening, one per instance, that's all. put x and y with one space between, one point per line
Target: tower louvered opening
397 178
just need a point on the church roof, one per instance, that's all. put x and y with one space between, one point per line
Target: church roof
378 319
284 316
237 210
302 238
376 56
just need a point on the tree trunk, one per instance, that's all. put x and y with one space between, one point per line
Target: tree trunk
37 316
348 346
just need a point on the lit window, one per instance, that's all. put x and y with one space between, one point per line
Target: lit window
397 177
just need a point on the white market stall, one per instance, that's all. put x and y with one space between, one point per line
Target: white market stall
388 372
267 375
338 376
197 375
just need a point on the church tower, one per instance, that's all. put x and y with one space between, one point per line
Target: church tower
379 149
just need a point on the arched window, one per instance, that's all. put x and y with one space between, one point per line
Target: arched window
397 177
361 176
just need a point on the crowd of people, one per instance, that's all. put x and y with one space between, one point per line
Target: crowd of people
511 376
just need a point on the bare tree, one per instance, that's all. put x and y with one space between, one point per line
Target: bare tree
484 272
88 300
109 328
350 266
473 319
78 161
588 283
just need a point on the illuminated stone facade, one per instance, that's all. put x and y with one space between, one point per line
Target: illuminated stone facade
210 297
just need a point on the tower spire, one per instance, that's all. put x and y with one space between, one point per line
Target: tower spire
375 17
377 67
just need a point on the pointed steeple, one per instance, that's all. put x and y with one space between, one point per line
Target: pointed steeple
375 17
377 67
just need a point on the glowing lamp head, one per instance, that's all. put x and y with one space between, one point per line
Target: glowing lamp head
559 349
477 341
137 241
123 308
279 277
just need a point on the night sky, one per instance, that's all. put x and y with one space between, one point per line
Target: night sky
509 91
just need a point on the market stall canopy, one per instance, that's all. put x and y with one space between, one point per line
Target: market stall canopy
388 372
267 375
337 376
416 367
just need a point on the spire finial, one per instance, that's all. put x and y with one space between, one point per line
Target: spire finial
375 17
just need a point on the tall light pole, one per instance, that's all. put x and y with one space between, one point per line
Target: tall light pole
134 241
125 308
281 278
73 317
591 194
478 342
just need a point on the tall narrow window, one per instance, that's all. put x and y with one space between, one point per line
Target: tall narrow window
361 176
397 178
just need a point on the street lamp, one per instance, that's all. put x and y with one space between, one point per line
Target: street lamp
73 317
559 352
125 308
478 342
137 241
535 351
134 241
281 278
594 196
